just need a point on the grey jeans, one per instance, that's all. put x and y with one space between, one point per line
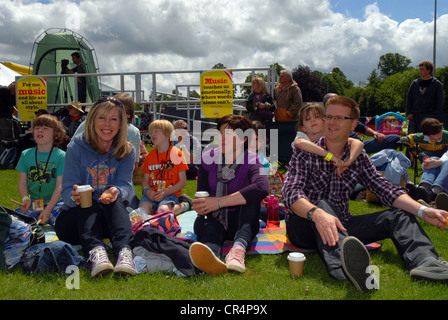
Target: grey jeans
413 245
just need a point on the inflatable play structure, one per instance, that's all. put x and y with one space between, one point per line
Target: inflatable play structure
389 123
51 55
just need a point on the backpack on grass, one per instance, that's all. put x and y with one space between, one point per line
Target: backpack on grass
9 158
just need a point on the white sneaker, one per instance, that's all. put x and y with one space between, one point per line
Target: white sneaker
125 263
100 261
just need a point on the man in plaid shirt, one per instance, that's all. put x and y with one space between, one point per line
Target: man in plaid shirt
319 218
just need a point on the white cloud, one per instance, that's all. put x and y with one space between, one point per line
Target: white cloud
157 35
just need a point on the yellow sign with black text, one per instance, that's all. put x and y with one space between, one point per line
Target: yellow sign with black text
31 95
216 93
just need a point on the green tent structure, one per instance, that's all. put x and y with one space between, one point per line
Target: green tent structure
51 51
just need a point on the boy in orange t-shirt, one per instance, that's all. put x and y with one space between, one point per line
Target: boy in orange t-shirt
164 172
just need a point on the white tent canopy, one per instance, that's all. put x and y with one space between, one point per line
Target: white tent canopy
7 75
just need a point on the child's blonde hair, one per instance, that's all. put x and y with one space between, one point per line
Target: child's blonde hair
165 126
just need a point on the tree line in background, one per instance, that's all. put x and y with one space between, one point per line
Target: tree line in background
385 89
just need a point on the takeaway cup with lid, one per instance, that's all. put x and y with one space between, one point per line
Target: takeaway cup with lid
296 263
85 192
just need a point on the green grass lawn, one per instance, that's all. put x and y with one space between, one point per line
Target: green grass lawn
267 276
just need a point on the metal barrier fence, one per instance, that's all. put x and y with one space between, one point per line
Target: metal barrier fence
183 83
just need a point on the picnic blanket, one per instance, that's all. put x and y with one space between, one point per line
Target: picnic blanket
267 241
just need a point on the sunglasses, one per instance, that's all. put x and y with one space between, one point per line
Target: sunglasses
110 99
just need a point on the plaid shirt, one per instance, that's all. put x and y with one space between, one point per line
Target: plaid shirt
311 177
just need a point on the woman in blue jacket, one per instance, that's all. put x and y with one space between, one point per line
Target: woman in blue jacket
102 158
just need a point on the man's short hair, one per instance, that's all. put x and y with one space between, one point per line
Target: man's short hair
288 74
431 126
76 54
328 96
427 64
179 123
347 102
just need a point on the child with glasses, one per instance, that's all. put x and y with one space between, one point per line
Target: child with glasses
311 128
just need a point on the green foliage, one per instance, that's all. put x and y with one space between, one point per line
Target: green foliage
219 65
442 75
335 82
387 91
392 91
392 63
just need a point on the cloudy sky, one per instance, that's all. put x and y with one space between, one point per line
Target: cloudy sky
156 35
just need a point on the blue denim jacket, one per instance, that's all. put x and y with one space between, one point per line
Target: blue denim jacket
17 241
49 257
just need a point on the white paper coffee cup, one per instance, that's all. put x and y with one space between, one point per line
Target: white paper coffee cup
85 192
201 194
296 263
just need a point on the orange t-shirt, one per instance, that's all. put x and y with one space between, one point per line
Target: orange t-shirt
163 168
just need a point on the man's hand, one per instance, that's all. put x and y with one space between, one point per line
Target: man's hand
327 226
436 217
379 136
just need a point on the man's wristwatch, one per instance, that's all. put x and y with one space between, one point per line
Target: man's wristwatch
309 214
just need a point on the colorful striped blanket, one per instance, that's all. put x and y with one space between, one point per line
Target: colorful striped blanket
267 241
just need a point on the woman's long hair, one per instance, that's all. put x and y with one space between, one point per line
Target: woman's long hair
120 144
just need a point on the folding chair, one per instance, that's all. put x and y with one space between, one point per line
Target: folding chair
416 151
413 154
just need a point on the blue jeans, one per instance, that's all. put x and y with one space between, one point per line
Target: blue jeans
170 199
437 176
431 154
389 142
53 215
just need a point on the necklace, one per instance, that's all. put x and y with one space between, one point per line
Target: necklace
41 174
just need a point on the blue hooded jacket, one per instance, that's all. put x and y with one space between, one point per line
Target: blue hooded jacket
83 165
